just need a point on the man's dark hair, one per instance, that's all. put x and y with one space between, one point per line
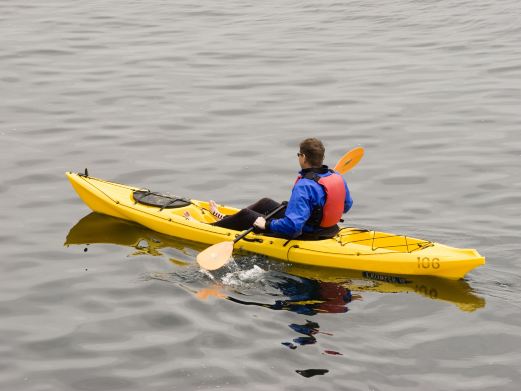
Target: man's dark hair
314 151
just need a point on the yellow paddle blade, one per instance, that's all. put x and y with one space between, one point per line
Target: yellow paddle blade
215 256
349 160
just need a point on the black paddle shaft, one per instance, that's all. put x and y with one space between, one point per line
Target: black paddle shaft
272 213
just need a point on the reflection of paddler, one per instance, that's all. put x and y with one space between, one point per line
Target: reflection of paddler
335 297
310 296
304 296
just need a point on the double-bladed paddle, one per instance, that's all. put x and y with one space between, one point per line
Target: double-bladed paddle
218 255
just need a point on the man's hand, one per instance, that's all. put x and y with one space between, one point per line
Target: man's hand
260 223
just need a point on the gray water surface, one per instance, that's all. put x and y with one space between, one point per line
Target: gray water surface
210 100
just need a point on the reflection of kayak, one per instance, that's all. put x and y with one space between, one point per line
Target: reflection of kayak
97 228
456 292
351 248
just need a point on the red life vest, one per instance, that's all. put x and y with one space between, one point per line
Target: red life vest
335 190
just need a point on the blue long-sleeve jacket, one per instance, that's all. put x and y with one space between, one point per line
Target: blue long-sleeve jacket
305 196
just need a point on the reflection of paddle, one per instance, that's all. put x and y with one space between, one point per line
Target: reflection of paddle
218 255
204 293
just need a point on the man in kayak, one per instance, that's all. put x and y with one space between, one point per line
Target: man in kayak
319 198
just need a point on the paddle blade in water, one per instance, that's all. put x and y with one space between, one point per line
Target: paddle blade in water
349 160
215 256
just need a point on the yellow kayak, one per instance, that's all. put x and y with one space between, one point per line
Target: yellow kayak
352 248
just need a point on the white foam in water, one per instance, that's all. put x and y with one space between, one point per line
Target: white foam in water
207 273
243 276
